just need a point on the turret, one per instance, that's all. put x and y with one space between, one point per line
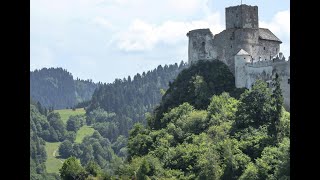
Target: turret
240 61
199 45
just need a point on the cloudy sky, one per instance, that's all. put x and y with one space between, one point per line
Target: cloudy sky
107 39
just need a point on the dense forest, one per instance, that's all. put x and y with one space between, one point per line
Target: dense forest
107 145
198 125
131 98
55 87
40 130
225 138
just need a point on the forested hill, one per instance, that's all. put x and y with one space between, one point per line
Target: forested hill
55 87
203 128
133 97
200 131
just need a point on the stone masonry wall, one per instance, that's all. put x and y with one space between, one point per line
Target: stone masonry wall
227 43
266 71
243 16
200 45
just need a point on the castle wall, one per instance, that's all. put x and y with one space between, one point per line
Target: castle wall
266 71
230 41
258 73
282 68
265 49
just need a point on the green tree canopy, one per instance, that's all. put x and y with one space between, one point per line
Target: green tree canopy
72 169
65 149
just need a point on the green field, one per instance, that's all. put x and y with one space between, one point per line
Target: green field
65 113
53 164
82 132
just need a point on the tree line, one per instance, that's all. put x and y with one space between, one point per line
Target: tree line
211 131
55 88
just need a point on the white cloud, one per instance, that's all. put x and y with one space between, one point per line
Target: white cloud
63 30
143 36
103 22
280 26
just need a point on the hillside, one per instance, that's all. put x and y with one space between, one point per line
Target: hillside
98 135
55 87
202 128
196 85
130 99
206 129
54 161
220 137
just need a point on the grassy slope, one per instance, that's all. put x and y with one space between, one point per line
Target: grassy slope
82 132
65 113
53 163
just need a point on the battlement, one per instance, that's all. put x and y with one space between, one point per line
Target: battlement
264 63
259 64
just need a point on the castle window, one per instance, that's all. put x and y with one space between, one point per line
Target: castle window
203 43
288 81
244 58
231 46
236 15
264 48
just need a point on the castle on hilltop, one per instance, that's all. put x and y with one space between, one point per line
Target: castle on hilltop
250 52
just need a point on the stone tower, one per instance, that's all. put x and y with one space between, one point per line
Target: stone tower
242 16
199 45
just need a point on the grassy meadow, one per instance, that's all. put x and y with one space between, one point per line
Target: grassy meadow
82 132
66 113
54 163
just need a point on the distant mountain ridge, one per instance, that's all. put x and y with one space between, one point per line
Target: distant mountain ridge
56 87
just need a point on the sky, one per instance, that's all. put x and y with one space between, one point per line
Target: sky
107 39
